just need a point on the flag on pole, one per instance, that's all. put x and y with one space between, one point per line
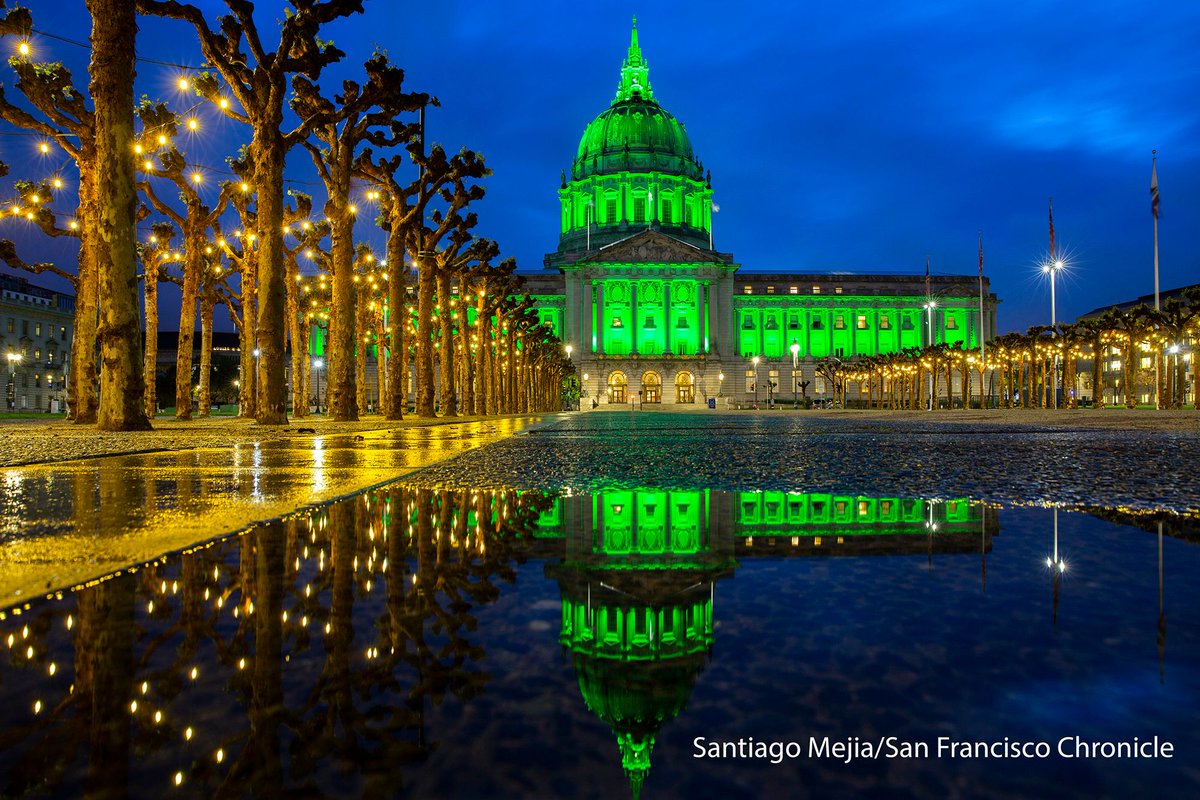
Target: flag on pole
1154 187
981 254
927 276
1051 228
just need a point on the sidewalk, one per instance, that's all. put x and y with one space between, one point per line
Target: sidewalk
77 504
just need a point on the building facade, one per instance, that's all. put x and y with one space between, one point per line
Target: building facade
654 313
36 326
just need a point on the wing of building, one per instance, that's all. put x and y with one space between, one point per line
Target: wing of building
655 314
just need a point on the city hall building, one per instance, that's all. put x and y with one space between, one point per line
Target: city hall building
654 313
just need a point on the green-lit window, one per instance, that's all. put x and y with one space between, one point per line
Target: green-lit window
610 210
793 320
668 218
885 323
951 323
639 209
839 322
862 322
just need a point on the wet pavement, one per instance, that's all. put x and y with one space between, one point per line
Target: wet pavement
1084 466
69 522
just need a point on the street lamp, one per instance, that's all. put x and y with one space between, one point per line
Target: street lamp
569 349
929 307
755 361
14 361
317 364
720 384
1052 269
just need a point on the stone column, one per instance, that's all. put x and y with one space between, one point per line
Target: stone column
633 321
667 316
600 317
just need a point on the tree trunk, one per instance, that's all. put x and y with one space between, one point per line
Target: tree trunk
397 396
268 149
150 357
466 363
425 288
362 326
206 335
193 265
298 340
343 399
114 29
447 394
248 338
81 394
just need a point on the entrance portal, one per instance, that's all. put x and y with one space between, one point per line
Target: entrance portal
618 388
685 388
652 387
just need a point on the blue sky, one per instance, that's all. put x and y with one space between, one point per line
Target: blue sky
858 137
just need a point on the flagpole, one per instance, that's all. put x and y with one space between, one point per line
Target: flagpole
982 327
1154 211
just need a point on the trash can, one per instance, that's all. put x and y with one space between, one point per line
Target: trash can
712 403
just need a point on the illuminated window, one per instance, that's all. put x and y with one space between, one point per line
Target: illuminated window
793 290
837 290
885 323
610 209
862 322
749 381
37 354
816 289
951 323
793 321
666 216
839 322
770 290
747 322
639 209
747 289
37 329
863 507
616 323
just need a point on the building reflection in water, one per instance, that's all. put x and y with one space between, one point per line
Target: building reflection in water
304 656
640 567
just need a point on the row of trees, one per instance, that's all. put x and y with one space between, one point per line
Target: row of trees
462 310
1020 368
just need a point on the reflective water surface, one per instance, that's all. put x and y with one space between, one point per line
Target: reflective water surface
414 642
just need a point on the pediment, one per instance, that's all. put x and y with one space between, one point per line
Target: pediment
650 247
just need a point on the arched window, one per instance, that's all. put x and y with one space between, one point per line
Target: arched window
618 387
651 387
685 388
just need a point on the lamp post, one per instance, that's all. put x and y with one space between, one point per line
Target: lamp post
1176 389
317 364
14 361
755 362
1052 269
720 384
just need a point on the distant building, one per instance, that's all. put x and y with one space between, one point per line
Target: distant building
36 329
1113 368
655 314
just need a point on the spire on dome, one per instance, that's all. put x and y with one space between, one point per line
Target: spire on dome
635 73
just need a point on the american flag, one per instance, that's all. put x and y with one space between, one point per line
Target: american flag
1154 187
1051 228
981 255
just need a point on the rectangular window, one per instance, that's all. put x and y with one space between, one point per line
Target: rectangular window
62 332
37 354
839 322
610 210
639 209
793 290
816 289
50 357
793 321
749 381
747 289
37 329
837 290
10 324
840 352
770 290
862 322
666 216
24 327
885 323
951 323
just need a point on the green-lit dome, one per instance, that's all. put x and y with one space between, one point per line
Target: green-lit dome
637 135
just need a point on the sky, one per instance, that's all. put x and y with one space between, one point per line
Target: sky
849 137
